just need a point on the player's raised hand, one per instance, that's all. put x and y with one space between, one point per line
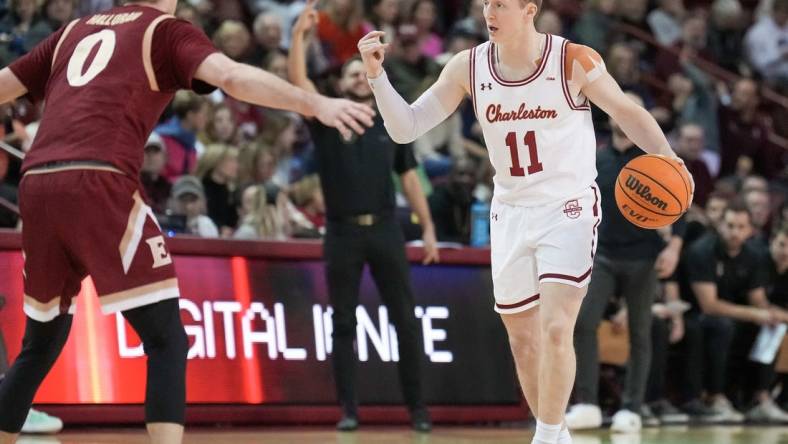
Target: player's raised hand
307 19
347 116
373 51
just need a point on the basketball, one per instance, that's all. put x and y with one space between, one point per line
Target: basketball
653 191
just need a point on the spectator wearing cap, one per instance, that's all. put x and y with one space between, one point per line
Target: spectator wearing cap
157 187
180 133
188 199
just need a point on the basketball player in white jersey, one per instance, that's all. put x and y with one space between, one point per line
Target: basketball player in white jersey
531 94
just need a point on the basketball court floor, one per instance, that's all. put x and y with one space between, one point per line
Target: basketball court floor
441 435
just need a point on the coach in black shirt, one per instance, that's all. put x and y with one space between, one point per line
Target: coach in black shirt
362 229
724 277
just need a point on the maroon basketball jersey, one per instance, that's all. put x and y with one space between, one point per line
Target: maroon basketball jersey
105 80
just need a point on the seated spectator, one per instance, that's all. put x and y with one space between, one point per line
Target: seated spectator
409 70
767 44
743 132
307 196
722 276
695 100
88 7
180 133
218 170
24 27
157 187
690 149
234 40
339 29
382 15
222 127
59 12
594 28
423 15
188 199
267 35
186 11
753 381
275 62
450 203
694 39
759 205
623 65
268 216
258 164
279 136
474 22
700 222
665 21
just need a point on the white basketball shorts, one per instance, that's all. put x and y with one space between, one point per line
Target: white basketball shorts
547 243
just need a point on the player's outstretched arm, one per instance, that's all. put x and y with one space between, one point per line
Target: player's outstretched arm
406 123
259 87
10 86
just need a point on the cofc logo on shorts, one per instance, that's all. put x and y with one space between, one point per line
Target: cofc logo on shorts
572 209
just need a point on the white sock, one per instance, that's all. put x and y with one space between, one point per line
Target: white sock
546 433
564 437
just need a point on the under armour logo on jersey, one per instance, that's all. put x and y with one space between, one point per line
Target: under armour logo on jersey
486 86
572 209
494 216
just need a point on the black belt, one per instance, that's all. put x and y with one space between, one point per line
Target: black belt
364 220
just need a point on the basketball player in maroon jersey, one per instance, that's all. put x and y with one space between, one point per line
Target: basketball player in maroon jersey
106 79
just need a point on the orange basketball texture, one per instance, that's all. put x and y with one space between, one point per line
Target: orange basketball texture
653 191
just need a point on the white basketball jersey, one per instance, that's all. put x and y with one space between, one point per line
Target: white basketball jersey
541 142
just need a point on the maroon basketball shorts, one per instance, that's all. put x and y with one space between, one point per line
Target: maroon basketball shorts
80 221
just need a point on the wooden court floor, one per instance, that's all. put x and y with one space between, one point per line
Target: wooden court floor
441 435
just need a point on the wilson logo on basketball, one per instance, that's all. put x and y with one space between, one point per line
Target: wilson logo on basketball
494 114
644 191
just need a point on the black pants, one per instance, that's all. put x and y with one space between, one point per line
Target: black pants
660 342
636 283
747 376
347 248
707 343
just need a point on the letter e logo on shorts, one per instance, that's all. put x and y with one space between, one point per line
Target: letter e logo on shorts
161 256
572 209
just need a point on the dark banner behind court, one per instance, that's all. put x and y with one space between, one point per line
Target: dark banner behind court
260 333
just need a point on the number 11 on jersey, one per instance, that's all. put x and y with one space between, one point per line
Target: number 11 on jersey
530 141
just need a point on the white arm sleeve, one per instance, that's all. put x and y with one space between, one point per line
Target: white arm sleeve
406 123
